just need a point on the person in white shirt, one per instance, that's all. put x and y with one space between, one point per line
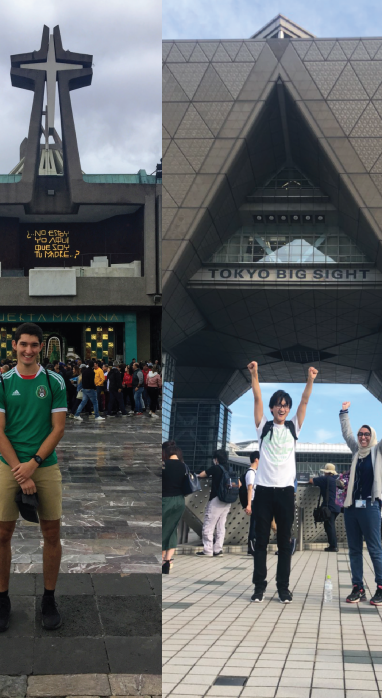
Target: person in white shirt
250 481
275 478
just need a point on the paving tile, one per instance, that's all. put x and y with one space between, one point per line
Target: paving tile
60 685
80 617
129 615
140 655
125 585
16 655
69 585
60 655
13 686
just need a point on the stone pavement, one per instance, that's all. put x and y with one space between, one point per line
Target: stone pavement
217 643
84 685
111 500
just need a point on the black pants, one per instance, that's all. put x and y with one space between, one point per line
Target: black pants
277 502
129 393
153 395
330 530
252 526
115 398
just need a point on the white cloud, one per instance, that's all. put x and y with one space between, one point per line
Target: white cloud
324 435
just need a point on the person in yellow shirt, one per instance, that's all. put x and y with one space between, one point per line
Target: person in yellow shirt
99 380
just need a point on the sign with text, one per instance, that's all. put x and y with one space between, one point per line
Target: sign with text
51 244
96 316
262 274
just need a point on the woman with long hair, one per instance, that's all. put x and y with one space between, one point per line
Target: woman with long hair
173 505
362 506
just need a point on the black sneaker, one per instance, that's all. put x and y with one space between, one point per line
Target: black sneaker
285 596
51 619
219 554
331 550
203 554
5 613
258 597
376 600
357 594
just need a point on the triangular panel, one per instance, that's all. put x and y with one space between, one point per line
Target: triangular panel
186 48
243 56
212 87
372 46
360 54
348 46
232 48
195 150
347 113
174 161
175 56
302 47
171 90
209 48
214 114
198 56
172 115
325 47
370 123
221 55
336 54
189 76
368 149
178 186
369 73
166 48
325 75
255 48
193 126
313 54
234 75
348 86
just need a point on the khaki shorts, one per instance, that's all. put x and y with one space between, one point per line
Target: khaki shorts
49 489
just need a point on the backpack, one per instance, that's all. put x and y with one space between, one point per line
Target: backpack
243 490
228 490
268 427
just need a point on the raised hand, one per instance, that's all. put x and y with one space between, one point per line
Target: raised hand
345 405
252 367
312 373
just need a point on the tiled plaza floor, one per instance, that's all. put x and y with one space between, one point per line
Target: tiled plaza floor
217 643
111 500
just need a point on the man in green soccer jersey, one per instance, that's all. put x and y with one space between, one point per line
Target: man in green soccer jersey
32 422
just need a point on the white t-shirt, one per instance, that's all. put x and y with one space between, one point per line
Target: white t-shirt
277 463
250 480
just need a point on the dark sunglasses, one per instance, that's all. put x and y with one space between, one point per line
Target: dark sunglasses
363 433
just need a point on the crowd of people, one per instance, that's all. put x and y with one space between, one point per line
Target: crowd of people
269 490
96 388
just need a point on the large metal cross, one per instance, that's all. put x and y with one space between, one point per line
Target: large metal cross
51 67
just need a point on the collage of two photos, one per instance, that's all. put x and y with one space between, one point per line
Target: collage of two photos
80 349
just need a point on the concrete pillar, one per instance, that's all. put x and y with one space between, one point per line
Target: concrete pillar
130 337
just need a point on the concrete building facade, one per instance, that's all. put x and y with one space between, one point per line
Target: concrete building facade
80 252
272 218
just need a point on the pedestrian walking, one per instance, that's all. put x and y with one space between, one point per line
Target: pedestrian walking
250 481
275 479
99 382
115 391
138 387
32 422
154 384
89 393
173 505
215 515
362 506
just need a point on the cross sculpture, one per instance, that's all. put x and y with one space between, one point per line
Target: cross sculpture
52 59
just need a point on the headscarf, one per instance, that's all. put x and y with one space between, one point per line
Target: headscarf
363 451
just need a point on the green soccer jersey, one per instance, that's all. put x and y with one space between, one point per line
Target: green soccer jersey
28 405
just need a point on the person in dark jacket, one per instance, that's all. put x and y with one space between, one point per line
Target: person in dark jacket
138 387
173 504
115 391
89 393
328 487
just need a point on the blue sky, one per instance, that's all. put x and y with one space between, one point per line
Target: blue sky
238 19
321 422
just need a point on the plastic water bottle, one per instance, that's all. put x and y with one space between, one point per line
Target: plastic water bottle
328 589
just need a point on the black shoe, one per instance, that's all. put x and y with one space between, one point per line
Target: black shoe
166 567
376 600
203 554
358 594
258 597
331 550
285 596
51 619
5 613
219 554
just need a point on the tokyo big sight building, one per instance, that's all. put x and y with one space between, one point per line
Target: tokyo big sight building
272 220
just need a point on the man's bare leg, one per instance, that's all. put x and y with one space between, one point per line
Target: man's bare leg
52 552
6 532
